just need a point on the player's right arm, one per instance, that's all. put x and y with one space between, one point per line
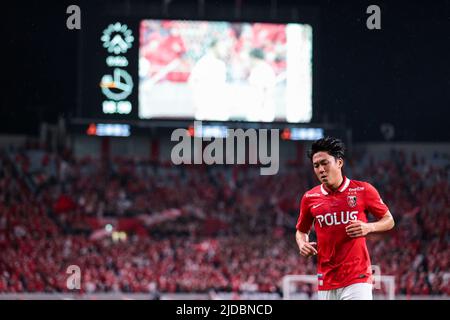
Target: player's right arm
304 224
306 248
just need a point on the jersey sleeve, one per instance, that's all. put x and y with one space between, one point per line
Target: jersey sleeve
374 203
305 219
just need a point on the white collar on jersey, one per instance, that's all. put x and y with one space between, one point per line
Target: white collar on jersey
341 189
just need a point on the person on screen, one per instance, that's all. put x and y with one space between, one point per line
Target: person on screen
262 81
208 83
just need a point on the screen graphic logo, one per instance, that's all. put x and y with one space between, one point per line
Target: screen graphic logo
117 38
117 85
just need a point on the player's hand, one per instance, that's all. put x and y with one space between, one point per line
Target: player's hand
358 229
307 249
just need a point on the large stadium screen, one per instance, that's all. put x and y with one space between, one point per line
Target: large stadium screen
225 71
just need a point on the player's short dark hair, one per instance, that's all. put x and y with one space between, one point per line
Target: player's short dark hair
213 43
333 146
257 53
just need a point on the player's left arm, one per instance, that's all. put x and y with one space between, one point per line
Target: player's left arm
376 206
360 229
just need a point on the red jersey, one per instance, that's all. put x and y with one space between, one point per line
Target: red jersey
342 260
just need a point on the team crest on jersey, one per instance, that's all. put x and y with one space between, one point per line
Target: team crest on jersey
351 200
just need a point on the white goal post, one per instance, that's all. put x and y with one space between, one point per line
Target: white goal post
289 280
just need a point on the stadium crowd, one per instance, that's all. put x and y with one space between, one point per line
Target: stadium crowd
234 231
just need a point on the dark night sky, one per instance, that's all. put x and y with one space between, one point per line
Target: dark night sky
398 75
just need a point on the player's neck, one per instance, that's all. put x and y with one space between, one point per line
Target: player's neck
336 185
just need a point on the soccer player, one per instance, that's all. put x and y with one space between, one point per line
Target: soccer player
338 208
208 80
262 80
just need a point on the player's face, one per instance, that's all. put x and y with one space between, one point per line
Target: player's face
327 168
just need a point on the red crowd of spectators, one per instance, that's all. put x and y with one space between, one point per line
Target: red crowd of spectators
235 233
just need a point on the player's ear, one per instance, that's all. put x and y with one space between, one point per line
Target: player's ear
340 162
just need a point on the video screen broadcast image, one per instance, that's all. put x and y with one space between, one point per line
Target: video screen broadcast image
225 71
